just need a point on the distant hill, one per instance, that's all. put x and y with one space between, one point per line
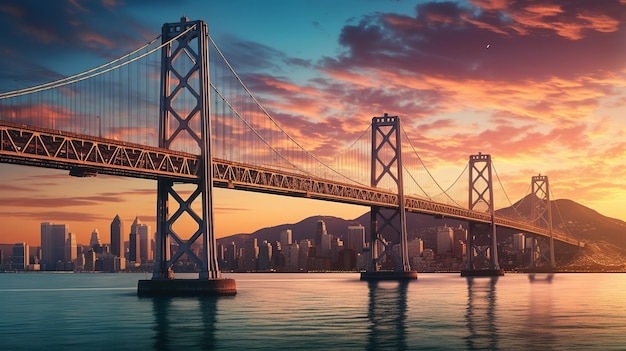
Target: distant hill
577 221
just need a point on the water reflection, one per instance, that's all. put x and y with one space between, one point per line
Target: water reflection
480 315
539 332
184 323
387 316
538 277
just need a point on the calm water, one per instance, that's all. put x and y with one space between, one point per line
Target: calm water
316 311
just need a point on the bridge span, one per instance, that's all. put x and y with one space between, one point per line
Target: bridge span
85 155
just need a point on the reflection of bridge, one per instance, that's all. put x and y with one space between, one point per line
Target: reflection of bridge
213 132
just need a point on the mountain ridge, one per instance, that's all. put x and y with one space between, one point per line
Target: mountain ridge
576 220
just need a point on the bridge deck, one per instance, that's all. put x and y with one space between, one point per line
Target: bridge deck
86 155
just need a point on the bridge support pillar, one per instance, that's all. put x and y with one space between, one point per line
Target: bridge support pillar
542 256
388 237
482 246
185 122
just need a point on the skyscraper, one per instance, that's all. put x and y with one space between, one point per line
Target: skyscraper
319 231
134 245
19 256
265 256
444 240
117 237
53 238
286 237
356 238
519 242
95 241
146 239
70 250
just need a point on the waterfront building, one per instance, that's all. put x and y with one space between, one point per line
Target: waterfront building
320 230
70 251
19 256
53 238
90 261
230 257
95 241
250 255
286 237
519 242
141 243
336 246
303 254
117 237
292 257
459 241
323 250
356 238
444 240
133 248
146 243
265 256
415 247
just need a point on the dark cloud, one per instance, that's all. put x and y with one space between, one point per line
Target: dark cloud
451 40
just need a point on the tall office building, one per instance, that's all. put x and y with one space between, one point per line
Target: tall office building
265 256
319 231
323 250
53 238
286 237
70 250
134 242
95 241
117 237
444 240
303 253
356 238
146 243
519 241
415 247
19 256
459 241
250 255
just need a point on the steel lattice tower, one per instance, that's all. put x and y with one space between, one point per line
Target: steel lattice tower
482 249
388 227
543 248
185 116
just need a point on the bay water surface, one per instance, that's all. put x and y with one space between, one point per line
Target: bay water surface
316 311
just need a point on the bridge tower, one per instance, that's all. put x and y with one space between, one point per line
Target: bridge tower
185 117
388 226
543 248
482 249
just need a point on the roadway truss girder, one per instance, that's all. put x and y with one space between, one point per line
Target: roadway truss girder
27 145
225 174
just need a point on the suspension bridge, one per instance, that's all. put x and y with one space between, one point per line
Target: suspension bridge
175 111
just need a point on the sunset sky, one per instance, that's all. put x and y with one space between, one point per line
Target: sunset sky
539 85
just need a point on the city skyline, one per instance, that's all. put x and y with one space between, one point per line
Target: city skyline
540 87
